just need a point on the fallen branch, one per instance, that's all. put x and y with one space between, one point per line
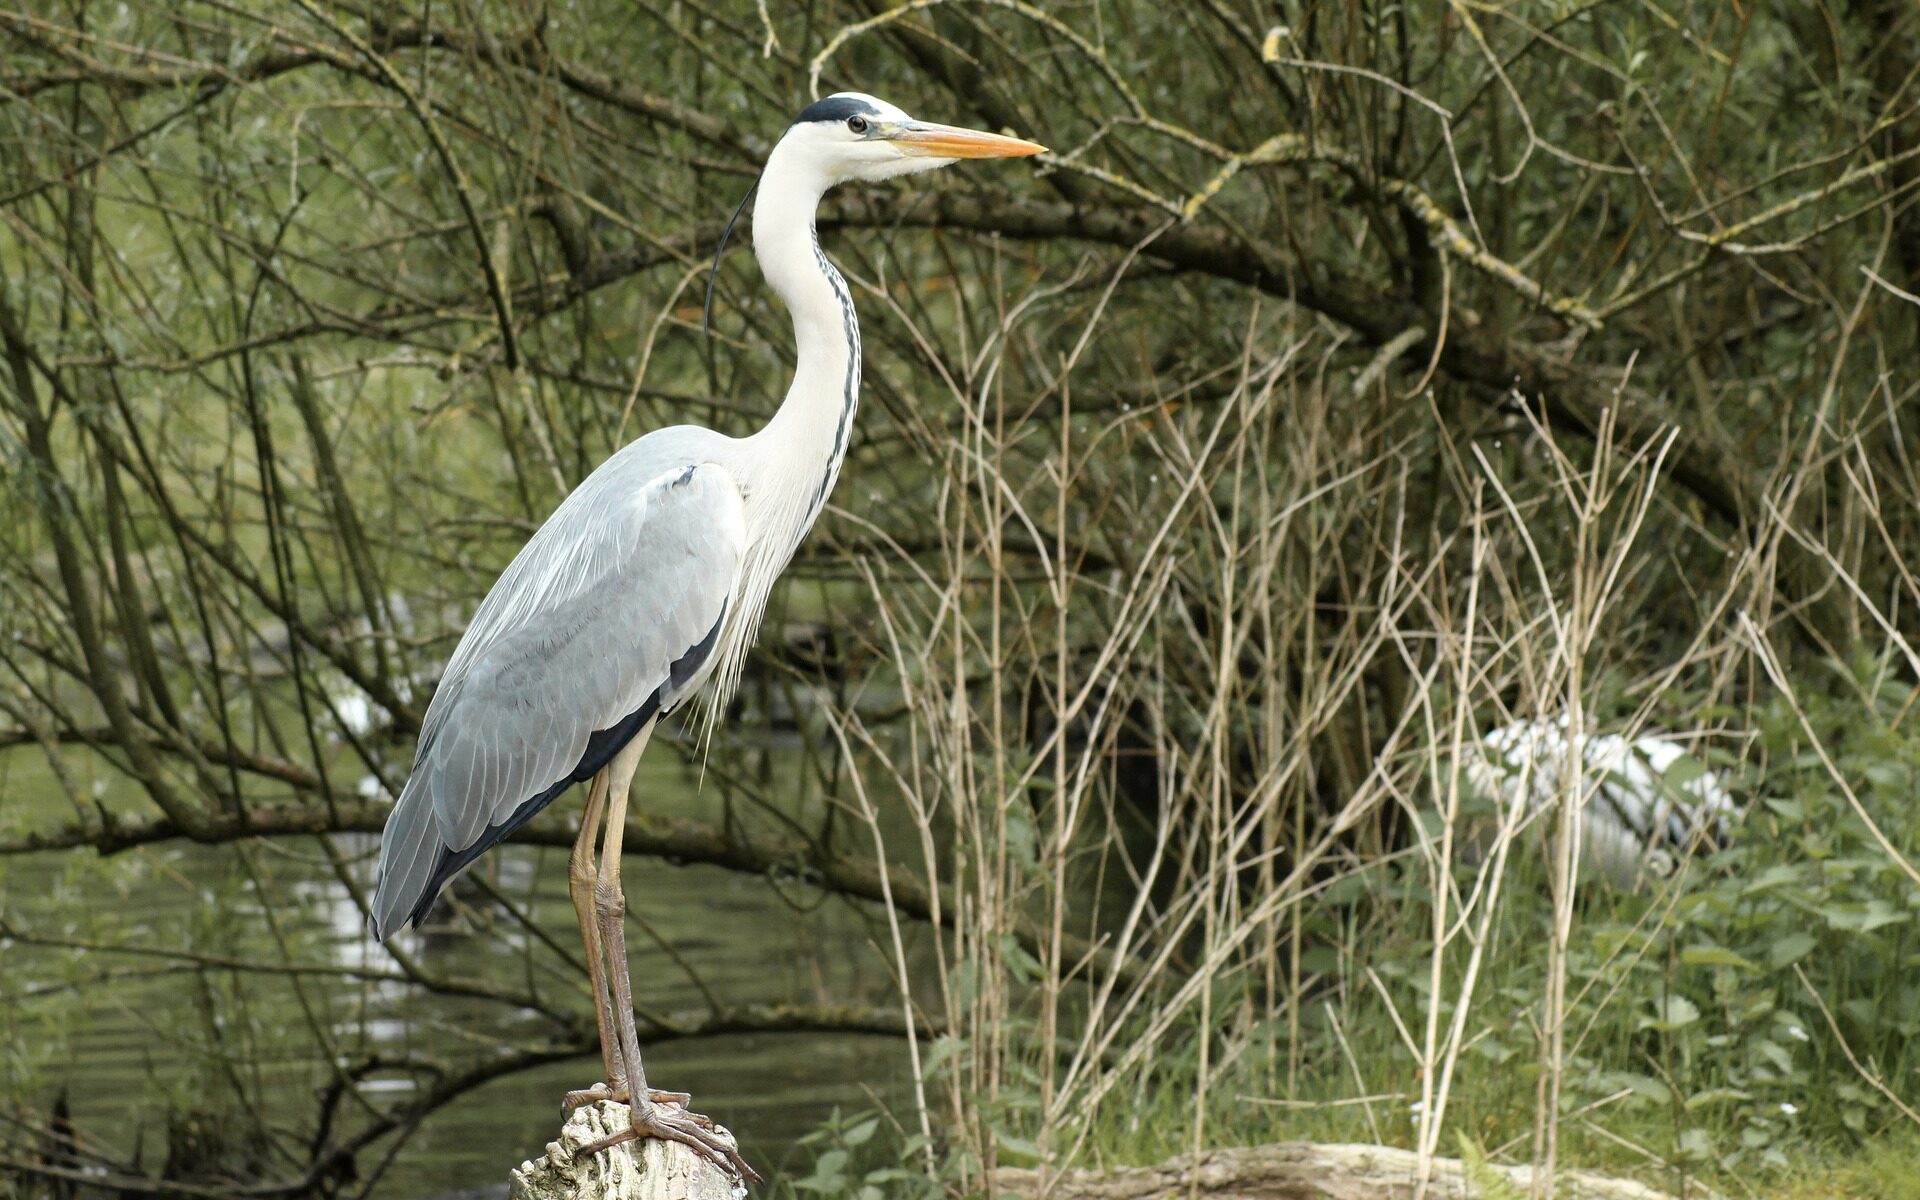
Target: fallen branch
649 835
1308 1171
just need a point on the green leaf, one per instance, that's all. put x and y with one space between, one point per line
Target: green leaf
1320 960
1778 875
942 1049
1643 1087
1864 918
1775 1054
1022 965
831 1166
1019 1147
1887 774
1486 1182
1021 841
1675 1012
1696 1145
1713 1096
1715 956
1790 949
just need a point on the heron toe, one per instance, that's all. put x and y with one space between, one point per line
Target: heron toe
671 1120
592 1095
619 1094
683 1099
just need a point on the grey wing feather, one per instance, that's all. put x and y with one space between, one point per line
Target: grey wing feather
583 629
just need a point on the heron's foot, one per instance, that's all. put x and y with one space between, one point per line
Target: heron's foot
618 1093
592 1095
665 1115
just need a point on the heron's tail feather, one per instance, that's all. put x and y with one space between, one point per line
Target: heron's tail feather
408 851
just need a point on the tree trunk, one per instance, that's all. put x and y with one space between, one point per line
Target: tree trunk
643 1169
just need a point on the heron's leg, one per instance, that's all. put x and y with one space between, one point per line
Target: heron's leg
610 905
580 879
654 1113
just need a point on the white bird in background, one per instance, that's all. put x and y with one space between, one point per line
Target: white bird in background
1646 803
643 591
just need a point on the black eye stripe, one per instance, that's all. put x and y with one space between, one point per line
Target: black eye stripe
835 108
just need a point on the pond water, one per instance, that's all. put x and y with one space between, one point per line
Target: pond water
129 1035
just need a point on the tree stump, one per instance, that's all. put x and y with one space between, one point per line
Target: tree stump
643 1169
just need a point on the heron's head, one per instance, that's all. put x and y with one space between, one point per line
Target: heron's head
850 135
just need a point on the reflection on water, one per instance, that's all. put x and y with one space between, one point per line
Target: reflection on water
131 1037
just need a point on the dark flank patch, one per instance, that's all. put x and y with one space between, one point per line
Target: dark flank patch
835 108
602 745
695 657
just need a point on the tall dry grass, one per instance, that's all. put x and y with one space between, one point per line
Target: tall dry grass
1230 674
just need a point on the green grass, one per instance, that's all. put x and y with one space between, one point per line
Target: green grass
1885 1169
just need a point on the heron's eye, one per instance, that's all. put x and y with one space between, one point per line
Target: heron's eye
857 124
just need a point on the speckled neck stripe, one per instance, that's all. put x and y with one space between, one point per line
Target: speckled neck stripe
850 389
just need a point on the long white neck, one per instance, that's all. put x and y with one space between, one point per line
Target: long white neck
801 448
796 456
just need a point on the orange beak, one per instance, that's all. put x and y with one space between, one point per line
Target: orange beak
950 141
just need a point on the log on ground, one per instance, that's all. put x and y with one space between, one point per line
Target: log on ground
1308 1171
643 1169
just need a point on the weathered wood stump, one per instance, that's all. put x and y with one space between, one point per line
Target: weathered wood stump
643 1169
1306 1171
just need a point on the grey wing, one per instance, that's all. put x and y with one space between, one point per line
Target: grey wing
604 620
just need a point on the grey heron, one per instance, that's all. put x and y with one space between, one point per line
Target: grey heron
641 593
